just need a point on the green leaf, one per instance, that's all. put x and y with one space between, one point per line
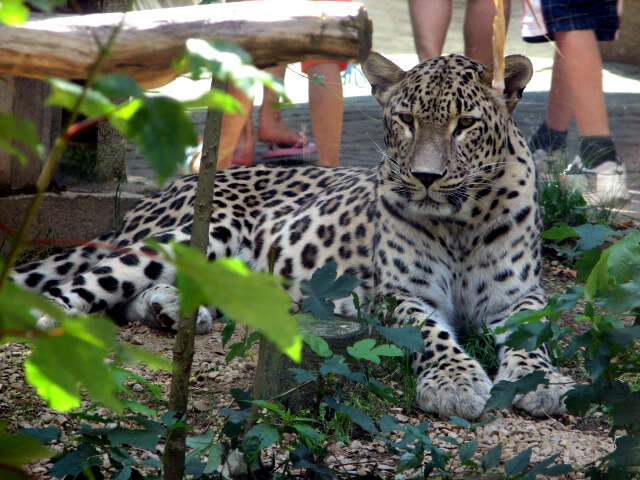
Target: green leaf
585 263
81 347
461 422
301 376
45 435
335 365
312 436
404 337
274 407
388 423
13 12
227 61
437 458
559 232
200 442
321 309
379 389
624 258
217 100
319 345
622 298
517 464
467 450
366 349
503 392
324 284
408 460
317 79
530 336
355 414
627 453
265 434
18 135
541 467
123 474
617 265
227 283
18 449
73 462
215 458
66 94
592 236
449 439
116 85
491 459
162 130
147 437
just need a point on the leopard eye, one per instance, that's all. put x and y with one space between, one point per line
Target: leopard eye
466 122
406 118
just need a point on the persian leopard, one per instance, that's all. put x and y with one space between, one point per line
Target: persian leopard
447 223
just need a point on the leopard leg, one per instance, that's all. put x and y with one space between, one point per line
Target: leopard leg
449 381
515 364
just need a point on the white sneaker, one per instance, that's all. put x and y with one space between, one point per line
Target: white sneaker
547 161
600 184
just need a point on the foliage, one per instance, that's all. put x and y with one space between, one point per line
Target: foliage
607 264
560 204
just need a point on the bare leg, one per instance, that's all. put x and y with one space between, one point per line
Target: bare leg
430 21
326 106
236 138
272 128
478 29
576 86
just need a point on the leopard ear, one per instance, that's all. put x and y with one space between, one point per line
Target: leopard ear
517 73
383 75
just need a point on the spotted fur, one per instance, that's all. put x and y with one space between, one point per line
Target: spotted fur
447 223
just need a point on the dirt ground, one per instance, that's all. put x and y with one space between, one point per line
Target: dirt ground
580 442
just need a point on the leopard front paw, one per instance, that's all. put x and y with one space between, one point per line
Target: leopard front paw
546 399
447 390
159 307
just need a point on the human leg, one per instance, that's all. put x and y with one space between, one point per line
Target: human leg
580 76
272 128
236 138
597 169
326 107
430 21
478 29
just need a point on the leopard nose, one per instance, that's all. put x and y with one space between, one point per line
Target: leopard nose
427 178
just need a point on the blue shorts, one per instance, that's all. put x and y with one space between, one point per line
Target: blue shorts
550 16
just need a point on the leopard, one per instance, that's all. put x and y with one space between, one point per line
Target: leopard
446 222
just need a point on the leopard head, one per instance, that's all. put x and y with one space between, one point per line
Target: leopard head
445 128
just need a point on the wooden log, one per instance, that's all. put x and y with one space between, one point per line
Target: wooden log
150 40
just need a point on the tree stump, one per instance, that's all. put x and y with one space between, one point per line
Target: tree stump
273 377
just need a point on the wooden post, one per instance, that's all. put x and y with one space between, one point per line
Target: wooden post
24 98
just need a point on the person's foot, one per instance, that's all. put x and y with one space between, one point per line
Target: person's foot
547 147
598 171
601 183
272 129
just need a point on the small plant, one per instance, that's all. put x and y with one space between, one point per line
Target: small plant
607 264
560 204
